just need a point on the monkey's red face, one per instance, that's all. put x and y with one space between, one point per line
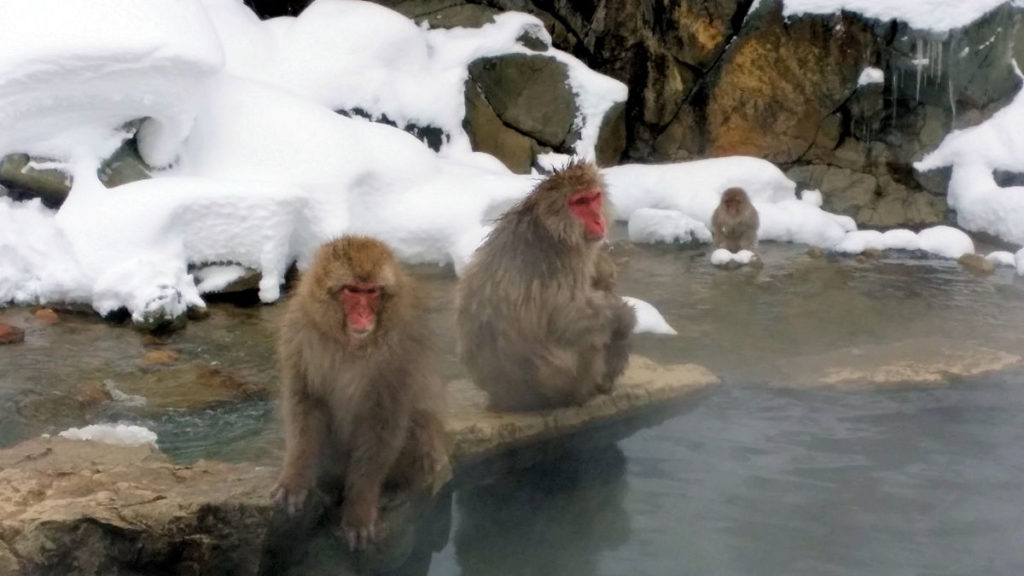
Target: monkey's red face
587 207
361 301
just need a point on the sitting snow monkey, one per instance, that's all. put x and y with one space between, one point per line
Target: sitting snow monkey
361 399
735 222
539 322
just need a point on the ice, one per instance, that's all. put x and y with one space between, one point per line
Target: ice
652 225
116 434
648 319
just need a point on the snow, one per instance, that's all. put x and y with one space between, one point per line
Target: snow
1002 258
694 190
652 225
1019 257
945 241
116 434
723 257
648 319
869 76
937 15
345 54
258 169
98 65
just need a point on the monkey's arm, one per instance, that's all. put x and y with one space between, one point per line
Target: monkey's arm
377 439
306 427
605 276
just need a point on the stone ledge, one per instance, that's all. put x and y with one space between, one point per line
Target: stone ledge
82 508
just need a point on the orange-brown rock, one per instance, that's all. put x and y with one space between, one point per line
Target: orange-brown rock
46 316
11 334
156 357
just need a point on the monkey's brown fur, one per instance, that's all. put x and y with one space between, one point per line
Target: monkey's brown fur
361 415
539 322
735 222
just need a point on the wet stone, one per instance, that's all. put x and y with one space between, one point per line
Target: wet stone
156 357
977 264
11 334
46 316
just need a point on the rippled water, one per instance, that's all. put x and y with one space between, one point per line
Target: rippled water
764 475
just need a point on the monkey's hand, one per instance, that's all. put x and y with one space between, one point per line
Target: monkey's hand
360 525
290 494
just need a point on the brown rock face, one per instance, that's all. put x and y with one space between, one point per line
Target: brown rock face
780 81
487 133
11 334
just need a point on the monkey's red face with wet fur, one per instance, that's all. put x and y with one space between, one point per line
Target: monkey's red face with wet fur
361 301
588 207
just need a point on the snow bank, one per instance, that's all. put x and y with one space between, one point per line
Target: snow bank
1019 257
116 434
352 54
944 241
694 190
723 257
870 75
72 72
974 153
938 15
652 225
36 259
648 319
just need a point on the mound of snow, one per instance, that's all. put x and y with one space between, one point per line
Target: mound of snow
945 241
651 225
1019 258
695 188
648 319
723 257
116 434
71 73
859 241
37 262
901 239
1001 258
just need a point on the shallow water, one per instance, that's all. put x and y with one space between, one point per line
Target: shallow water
764 475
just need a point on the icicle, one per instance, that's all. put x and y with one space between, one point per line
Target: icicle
919 63
952 101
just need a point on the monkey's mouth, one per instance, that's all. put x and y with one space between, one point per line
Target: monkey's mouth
360 331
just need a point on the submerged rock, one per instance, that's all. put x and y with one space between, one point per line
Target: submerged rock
977 264
11 334
82 508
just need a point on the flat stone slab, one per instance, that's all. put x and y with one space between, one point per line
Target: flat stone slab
476 432
917 361
79 507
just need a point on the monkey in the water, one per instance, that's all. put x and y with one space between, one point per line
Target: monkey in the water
539 322
362 402
735 222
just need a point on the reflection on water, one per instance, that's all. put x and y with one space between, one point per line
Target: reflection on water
759 477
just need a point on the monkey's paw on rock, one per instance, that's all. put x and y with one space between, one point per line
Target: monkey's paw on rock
727 259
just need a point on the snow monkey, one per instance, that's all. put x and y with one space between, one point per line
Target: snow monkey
361 400
734 223
538 319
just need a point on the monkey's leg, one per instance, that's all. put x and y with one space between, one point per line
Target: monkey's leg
616 352
376 441
305 430
423 462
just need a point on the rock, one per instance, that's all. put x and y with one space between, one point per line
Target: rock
815 252
124 166
977 264
611 140
528 92
487 133
24 181
155 357
921 361
458 16
780 80
82 508
46 316
11 334
92 393
476 432
187 387
198 313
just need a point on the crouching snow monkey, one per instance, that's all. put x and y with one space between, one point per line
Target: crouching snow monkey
735 222
539 322
361 400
